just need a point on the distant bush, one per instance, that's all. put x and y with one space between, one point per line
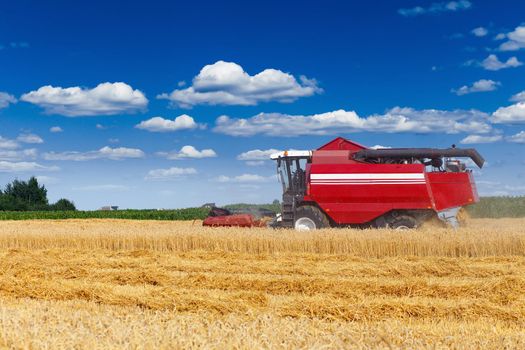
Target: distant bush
498 207
176 214
275 206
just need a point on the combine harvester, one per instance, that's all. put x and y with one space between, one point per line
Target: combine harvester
346 184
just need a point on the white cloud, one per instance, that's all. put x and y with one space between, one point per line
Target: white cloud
257 154
255 162
102 188
169 174
516 40
30 138
189 152
394 121
56 129
379 147
480 31
494 64
437 7
6 99
100 127
226 83
159 124
21 167
518 138
244 178
17 155
105 99
512 114
519 97
8 144
482 85
47 180
471 139
103 153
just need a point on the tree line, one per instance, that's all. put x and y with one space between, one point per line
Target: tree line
30 196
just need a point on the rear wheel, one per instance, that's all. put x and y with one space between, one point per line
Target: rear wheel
309 218
404 222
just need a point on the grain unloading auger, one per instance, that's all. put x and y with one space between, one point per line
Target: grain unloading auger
346 184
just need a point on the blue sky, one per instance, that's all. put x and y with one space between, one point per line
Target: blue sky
165 104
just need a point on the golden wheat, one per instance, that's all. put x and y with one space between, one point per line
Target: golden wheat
480 238
122 284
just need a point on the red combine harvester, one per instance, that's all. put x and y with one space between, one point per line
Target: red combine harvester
346 184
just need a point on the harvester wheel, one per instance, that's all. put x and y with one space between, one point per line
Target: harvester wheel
404 222
309 218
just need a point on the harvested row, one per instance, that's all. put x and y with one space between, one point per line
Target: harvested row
339 288
85 325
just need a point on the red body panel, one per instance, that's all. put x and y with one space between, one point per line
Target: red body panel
452 189
351 192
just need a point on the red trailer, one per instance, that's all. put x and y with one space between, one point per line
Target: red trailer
346 184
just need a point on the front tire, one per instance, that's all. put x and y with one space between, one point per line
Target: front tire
404 222
308 218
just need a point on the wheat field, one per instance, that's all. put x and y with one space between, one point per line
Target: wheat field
92 284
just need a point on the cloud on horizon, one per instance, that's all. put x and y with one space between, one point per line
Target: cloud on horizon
396 120
119 153
160 124
188 152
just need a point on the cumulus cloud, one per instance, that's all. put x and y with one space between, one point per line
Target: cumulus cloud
17 155
516 39
29 138
226 83
518 138
55 129
510 115
472 139
159 124
482 85
105 99
245 178
479 31
6 99
102 188
119 153
437 7
189 152
493 63
519 97
257 154
21 167
8 144
169 174
393 121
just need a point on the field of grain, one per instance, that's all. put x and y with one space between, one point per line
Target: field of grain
160 284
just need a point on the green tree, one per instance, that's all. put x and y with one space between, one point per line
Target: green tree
30 196
30 193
